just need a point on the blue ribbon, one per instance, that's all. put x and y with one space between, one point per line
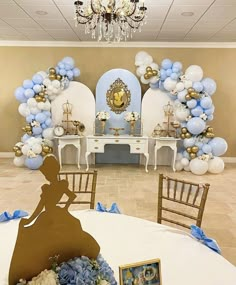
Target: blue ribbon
199 234
6 216
114 208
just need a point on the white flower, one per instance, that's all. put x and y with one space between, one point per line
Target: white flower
46 277
104 282
103 116
203 117
132 116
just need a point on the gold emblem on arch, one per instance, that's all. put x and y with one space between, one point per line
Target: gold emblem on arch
118 96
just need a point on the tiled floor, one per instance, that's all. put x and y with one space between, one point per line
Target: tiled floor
136 194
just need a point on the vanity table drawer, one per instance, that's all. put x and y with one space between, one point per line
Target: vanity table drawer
137 148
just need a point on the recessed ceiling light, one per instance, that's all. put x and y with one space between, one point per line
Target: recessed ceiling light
187 14
41 13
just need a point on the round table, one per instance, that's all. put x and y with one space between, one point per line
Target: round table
125 240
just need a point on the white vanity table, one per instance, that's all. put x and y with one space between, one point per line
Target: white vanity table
165 141
68 140
96 144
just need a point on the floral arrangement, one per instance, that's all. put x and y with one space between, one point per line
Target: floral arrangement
79 270
103 116
132 116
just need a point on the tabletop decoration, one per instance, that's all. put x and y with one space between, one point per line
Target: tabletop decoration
103 116
132 118
199 234
6 216
114 208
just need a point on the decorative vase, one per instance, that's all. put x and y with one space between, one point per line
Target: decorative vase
103 124
132 128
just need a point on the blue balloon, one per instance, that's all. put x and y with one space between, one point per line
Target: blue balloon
69 61
47 113
44 126
40 117
206 102
37 88
196 125
166 63
19 94
154 85
210 111
62 72
219 146
168 72
199 144
27 84
61 65
70 74
57 69
29 93
37 130
197 111
163 75
198 86
34 162
210 117
189 142
192 103
200 152
68 67
186 154
76 72
174 76
25 137
209 86
177 65
161 86
48 122
206 148
30 118
37 79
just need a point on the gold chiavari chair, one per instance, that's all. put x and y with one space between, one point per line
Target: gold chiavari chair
181 202
83 184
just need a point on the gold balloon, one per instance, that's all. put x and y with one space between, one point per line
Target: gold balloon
28 128
193 155
46 148
23 129
29 133
52 70
188 97
43 153
15 148
38 98
59 77
189 149
149 69
190 89
44 99
209 135
195 149
184 130
146 76
18 153
154 72
52 76
41 93
182 136
188 135
194 95
50 150
210 129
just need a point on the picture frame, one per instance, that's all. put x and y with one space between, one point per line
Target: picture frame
146 272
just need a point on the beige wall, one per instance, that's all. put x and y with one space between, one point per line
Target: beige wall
20 63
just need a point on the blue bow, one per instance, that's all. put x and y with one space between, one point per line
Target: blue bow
101 208
200 235
6 216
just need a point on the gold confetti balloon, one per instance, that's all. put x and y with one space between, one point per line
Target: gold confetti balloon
195 149
52 70
18 153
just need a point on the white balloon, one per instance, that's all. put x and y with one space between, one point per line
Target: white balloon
184 161
47 106
25 148
143 80
48 133
179 156
194 73
41 105
55 91
142 69
216 165
48 142
154 66
169 84
46 82
24 109
32 102
43 74
37 148
49 87
19 161
188 84
179 86
138 72
181 114
154 79
56 83
187 168
148 60
52 97
198 166
34 110
139 58
178 166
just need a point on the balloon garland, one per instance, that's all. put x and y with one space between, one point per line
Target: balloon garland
35 96
194 108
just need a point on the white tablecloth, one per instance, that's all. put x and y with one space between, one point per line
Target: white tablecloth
124 239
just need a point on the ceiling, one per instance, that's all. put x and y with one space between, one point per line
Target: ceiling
212 21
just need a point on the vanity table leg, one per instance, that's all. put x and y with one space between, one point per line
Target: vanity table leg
155 156
86 159
78 156
59 154
174 158
147 159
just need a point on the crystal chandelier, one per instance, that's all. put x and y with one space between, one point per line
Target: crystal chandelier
109 19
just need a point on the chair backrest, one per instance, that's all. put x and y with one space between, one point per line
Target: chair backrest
83 184
181 202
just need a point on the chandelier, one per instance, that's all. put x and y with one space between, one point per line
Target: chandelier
109 19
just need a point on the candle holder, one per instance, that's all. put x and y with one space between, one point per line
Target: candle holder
116 131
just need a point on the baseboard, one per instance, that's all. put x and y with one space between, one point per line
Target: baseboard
9 154
229 159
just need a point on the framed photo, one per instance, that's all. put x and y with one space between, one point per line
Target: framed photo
141 273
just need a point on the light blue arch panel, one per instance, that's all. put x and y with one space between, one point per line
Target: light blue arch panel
117 120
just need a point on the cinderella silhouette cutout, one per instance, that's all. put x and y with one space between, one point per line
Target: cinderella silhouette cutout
51 230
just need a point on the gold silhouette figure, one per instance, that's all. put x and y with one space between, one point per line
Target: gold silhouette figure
118 98
51 230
